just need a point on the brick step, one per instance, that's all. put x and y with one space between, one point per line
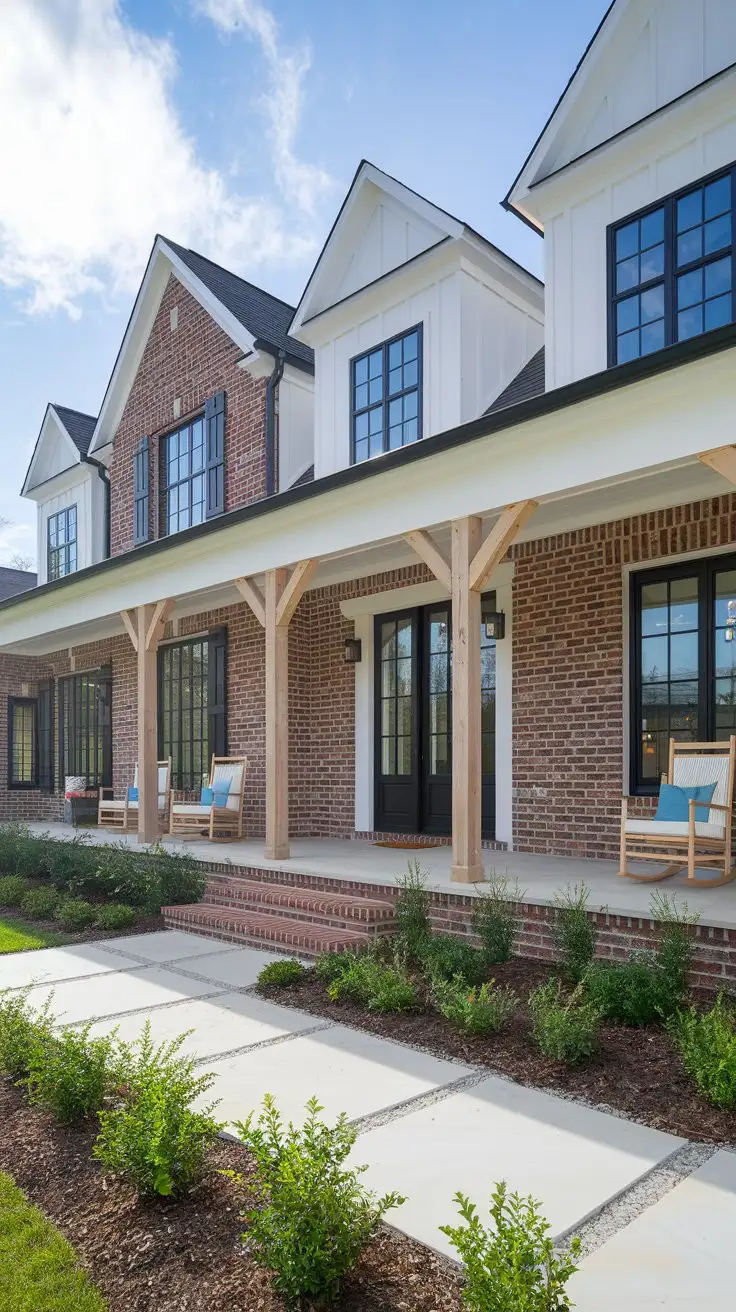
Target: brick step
306 904
258 929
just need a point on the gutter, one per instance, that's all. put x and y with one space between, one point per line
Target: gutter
271 397
103 474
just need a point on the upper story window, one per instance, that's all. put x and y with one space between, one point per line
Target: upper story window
386 396
62 543
183 462
670 270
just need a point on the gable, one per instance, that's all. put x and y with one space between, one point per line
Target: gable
53 454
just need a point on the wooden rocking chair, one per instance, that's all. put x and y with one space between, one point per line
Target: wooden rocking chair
119 813
218 815
695 842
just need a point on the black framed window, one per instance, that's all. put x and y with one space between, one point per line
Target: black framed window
85 727
22 742
61 540
192 706
183 480
670 269
683 661
386 396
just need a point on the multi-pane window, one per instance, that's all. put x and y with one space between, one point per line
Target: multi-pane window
386 386
85 727
671 270
396 689
62 543
184 488
191 707
684 661
439 691
22 742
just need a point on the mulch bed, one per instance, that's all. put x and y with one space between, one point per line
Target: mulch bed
187 1256
143 925
637 1072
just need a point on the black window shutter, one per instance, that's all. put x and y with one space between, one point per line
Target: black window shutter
214 418
217 692
140 492
46 735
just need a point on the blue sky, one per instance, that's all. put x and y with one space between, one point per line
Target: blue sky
235 126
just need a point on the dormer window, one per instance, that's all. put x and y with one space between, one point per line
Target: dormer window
62 543
386 396
670 270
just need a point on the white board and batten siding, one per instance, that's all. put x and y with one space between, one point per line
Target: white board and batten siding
296 426
80 487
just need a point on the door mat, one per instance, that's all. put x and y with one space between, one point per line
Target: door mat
409 847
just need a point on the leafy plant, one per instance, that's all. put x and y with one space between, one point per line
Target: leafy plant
152 1136
412 910
22 1027
675 953
481 1010
330 965
173 878
13 889
74 913
512 1266
20 850
70 1073
707 1042
313 1217
282 973
40 903
375 985
115 916
444 956
573 932
565 1029
494 918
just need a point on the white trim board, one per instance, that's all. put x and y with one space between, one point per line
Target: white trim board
416 594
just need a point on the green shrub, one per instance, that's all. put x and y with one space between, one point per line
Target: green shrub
282 973
444 956
74 914
631 992
494 918
565 1029
512 1266
412 910
13 889
70 865
22 1027
153 1138
330 965
20 850
115 916
481 1010
313 1217
675 954
375 985
173 878
40 903
70 1073
707 1042
573 932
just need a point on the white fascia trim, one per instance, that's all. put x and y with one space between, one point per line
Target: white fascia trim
416 594
51 421
162 262
259 364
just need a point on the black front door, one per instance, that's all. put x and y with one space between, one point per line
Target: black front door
413 721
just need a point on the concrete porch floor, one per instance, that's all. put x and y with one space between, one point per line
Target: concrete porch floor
539 877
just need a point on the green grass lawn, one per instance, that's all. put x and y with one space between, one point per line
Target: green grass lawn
16 936
38 1269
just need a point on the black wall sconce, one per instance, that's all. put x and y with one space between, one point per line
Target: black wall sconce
353 651
494 622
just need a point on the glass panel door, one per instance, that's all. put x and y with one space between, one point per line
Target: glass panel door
670 666
437 721
397 790
724 662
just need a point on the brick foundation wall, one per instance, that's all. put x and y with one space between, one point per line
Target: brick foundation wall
191 363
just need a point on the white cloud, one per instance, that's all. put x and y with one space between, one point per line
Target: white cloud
300 182
94 159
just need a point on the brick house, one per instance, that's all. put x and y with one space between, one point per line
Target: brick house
499 516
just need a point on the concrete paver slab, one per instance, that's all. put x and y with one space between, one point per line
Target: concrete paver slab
106 995
676 1255
347 1070
17 969
167 945
238 970
231 1020
573 1158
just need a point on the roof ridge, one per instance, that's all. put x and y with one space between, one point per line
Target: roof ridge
230 272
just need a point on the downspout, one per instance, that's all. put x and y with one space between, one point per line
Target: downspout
101 470
271 394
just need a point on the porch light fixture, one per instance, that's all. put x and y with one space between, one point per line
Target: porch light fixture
494 622
353 651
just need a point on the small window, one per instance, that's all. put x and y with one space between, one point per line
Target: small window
670 270
183 477
62 543
386 395
22 742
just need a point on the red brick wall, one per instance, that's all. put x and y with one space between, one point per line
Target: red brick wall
191 363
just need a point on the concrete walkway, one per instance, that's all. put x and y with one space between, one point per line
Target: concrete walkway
662 1210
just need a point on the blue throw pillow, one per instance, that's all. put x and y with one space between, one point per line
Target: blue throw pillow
132 794
206 797
674 802
221 797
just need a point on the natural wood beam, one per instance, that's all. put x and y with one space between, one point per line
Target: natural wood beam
130 621
723 460
155 630
422 544
493 550
294 589
254 598
467 867
277 721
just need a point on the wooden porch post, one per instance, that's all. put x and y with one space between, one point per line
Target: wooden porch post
145 627
467 866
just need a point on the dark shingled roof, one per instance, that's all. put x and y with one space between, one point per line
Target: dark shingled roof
80 427
13 581
264 315
306 477
528 382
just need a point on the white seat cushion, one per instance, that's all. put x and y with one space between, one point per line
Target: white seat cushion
191 808
674 828
111 804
